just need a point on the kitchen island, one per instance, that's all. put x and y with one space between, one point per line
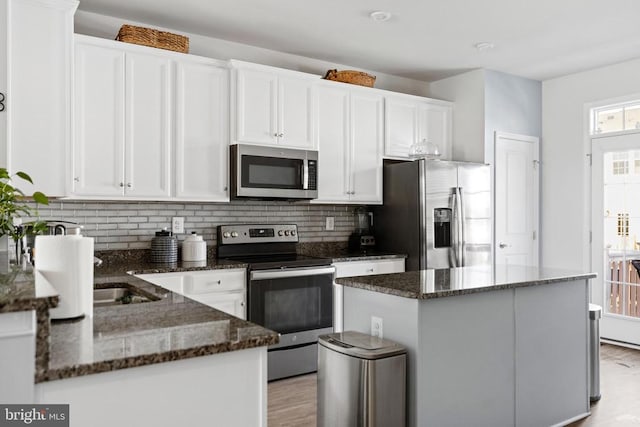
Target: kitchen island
486 346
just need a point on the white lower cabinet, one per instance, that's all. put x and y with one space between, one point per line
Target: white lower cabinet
359 268
17 352
224 290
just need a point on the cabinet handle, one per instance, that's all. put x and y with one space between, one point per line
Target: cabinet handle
225 189
242 304
370 270
129 185
2 98
122 184
280 135
76 179
276 134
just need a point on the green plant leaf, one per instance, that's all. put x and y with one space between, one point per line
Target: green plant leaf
24 176
39 197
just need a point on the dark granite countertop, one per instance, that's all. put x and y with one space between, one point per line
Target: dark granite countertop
125 336
429 284
339 252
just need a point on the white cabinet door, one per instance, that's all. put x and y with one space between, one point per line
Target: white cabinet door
256 106
38 97
147 125
98 150
333 144
295 112
366 147
401 127
435 123
232 303
202 131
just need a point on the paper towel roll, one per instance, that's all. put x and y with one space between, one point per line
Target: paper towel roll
67 263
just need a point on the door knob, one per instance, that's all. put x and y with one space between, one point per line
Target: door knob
503 245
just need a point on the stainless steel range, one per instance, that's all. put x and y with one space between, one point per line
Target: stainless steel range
288 293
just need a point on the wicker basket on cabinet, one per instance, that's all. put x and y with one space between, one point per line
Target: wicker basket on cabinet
351 76
153 38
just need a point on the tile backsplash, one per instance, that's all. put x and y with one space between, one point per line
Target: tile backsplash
121 225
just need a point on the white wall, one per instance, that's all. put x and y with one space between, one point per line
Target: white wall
512 104
565 174
467 92
107 27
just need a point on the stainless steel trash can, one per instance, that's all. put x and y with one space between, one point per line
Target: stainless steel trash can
361 381
595 314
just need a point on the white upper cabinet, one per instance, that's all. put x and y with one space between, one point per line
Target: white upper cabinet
122 122
413 120
367 111
350 141
98 152
334 148
202 131
35 83
147 125
273 106
150 124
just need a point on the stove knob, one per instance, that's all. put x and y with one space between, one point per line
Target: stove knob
286 232
226 234
280 232
234 234
293 232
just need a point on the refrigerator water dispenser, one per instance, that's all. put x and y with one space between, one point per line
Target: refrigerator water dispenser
442 227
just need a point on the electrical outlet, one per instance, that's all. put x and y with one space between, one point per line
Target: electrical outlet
177 225
376 326
330 223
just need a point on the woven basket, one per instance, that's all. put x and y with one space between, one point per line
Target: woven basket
351 76
153 38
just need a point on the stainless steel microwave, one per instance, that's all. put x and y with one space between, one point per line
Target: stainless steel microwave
261 172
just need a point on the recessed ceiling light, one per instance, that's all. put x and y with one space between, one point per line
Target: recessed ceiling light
380 16
483 46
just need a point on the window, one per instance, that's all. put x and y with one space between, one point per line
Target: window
620 163
615 118
623 224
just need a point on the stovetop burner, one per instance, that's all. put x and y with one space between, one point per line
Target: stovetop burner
269 246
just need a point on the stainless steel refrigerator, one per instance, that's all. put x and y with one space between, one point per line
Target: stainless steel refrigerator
437 212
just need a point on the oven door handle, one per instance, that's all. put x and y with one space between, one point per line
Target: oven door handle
290 272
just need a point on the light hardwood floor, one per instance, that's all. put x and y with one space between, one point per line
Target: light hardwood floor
620 388
292 402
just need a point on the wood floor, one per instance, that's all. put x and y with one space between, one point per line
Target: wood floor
292 402
620 388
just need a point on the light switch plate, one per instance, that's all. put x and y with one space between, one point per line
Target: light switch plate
177 225
330 223
376 326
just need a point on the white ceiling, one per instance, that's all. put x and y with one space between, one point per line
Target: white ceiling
424 40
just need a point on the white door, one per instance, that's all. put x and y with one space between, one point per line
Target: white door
333 144
202 129
616 230
516 199
148 137
256 107
366 111
98 149
295 112
401 126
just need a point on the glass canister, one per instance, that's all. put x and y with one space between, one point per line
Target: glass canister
164 247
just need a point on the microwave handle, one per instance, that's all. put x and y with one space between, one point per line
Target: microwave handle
305 174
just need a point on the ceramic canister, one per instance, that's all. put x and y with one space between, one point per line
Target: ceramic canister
194 248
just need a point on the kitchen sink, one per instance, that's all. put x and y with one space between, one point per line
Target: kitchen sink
119 294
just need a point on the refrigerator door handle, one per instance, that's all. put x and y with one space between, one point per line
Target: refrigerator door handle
455 229
461 241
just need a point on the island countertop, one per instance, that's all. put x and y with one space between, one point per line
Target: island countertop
438 283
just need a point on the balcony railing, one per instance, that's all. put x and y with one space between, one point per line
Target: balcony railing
623 286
